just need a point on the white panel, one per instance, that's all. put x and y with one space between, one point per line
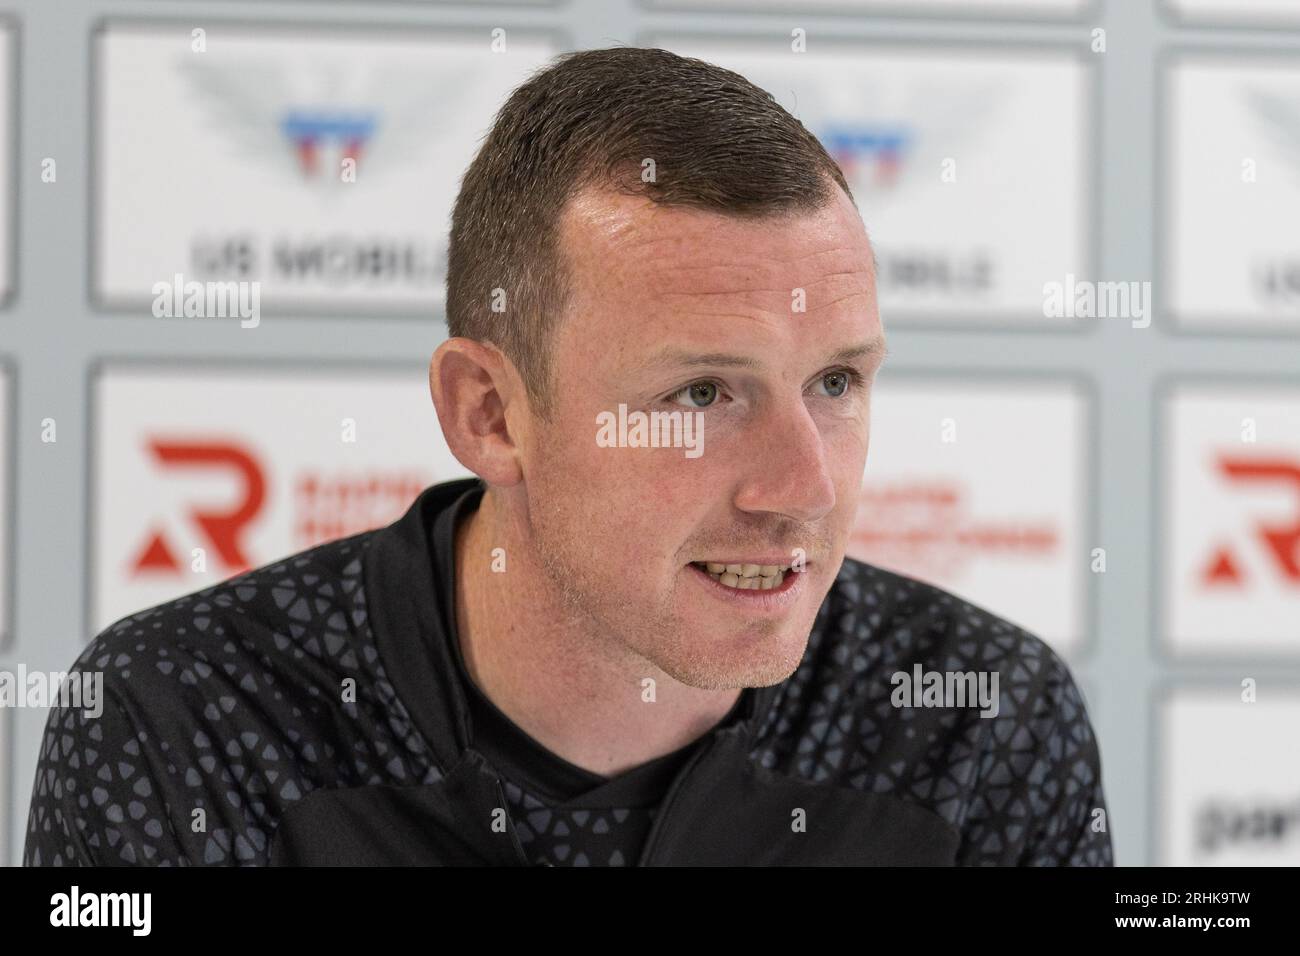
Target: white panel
1053 8
8 130
7 468
248 465
1231 523
998 513
1229 793
1232 194
232 163
7 788
969 166
1238 12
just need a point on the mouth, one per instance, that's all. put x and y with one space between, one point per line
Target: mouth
746 577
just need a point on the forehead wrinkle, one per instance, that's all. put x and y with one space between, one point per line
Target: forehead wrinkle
634 248
874 348
688 248
760 276
755 297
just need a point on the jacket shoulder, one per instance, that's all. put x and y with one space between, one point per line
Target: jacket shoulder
1003 749
217 710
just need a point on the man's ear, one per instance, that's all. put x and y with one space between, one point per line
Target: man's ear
472 383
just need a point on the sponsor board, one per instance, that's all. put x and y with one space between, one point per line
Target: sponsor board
980 487
200 473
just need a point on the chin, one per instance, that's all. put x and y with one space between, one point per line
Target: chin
744 657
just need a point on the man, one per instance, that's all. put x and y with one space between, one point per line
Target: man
608 648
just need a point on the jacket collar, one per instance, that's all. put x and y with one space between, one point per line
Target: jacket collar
411 612
722 808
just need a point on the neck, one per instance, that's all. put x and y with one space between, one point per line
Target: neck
577 692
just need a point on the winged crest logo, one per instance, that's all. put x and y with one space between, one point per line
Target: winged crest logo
308 120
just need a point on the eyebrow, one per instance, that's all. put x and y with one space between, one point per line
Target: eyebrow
874 348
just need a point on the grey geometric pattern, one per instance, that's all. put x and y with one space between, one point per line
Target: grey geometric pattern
228 700
1032 767
568 836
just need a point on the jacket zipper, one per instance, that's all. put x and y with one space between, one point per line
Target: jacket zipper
510 822
652 839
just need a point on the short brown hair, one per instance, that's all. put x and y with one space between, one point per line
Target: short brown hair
591 118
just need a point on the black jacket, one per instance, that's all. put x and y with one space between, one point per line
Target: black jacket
226 740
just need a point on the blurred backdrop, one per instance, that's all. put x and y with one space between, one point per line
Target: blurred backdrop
1086 219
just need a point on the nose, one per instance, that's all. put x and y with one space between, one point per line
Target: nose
786 471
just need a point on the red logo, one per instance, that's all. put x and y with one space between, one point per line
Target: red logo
325 506
925 528
1280 541
223 529
339 505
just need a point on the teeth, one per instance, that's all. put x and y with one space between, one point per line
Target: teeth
747 577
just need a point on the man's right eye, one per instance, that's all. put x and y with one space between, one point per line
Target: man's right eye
697 394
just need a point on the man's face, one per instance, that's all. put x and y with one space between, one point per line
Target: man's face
758 326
